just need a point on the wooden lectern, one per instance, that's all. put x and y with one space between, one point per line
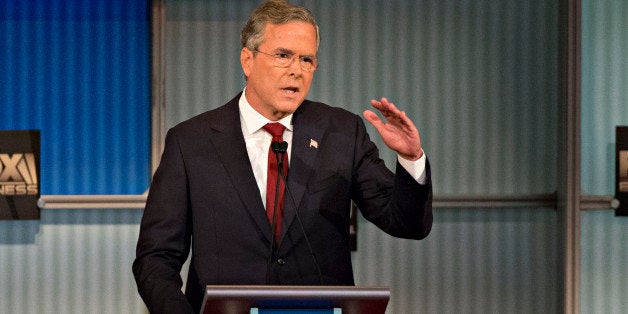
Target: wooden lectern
295 299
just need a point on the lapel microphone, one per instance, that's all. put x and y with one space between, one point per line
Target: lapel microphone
280 148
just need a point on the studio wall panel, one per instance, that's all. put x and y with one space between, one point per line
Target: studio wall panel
79 72
474 261
71 261
604 90
604 279
604 254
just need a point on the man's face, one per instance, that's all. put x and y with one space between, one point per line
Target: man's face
274 91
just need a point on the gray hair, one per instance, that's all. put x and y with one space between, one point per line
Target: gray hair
274 12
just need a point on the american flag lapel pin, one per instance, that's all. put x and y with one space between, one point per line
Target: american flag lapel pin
313 143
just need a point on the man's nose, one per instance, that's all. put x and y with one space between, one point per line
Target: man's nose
295 66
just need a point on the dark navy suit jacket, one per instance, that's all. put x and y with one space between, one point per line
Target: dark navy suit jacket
204 196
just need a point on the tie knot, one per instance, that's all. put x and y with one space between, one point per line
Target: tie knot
275 129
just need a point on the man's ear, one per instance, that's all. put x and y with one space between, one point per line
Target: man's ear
246 60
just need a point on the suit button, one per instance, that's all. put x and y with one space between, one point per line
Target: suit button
281 261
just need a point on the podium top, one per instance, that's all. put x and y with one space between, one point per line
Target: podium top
240 299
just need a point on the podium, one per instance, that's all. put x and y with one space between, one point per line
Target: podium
295 299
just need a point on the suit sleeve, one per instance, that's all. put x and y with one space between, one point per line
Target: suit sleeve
395 202
164 239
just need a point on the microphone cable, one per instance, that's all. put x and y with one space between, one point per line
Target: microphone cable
277 149
281 148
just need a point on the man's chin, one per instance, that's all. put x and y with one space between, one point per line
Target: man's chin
289 106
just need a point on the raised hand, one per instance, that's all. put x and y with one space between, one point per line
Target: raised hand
398 131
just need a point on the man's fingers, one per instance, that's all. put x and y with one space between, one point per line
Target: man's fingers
373 118
386 108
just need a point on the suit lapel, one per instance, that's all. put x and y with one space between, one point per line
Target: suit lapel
229 144
309 128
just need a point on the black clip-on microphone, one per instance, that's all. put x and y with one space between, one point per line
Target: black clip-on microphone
280 148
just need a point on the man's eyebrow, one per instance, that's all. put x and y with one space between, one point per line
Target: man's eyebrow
284 50
288 51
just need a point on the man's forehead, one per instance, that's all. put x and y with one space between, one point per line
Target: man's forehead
290 36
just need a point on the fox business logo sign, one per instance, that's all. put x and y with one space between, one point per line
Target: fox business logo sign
18 174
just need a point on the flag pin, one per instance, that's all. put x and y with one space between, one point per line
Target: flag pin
313 143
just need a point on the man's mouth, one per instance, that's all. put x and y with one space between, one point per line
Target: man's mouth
291 89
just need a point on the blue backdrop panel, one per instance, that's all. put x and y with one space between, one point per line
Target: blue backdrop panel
79 71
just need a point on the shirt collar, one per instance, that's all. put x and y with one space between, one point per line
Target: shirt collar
253 121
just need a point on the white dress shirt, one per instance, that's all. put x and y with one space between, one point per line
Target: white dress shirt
258 141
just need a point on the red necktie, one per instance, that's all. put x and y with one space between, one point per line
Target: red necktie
276 130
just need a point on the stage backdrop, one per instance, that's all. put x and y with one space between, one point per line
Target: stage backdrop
467 71
79 72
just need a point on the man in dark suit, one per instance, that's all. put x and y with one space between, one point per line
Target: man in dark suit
210 190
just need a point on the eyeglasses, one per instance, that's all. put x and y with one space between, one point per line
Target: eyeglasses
285 59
